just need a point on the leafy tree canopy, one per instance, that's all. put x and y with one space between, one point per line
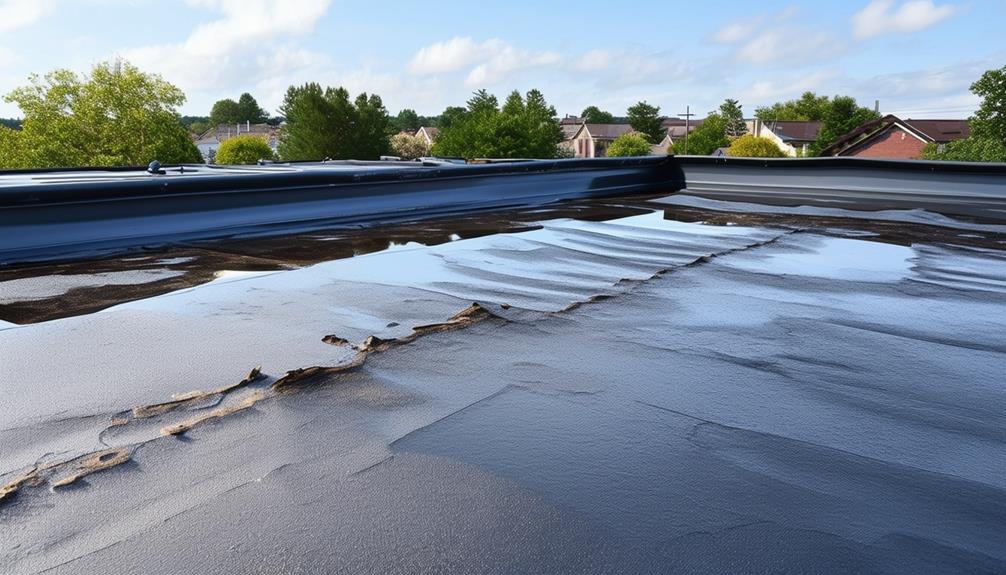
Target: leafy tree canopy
406 121
244 149
594 115
189 120
646 120
749 146
246 109
629 144
707 138
841 117
524 127
973 149
989 121
734 116
250 111
987 142
225 112
325 123
115 116
808 108
450 115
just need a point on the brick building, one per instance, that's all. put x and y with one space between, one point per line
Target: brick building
892 137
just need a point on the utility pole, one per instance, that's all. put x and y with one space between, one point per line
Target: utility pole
687 116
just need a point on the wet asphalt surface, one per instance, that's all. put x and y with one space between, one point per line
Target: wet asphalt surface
779 395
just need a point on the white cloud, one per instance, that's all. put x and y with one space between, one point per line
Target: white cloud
735 32
879 17
487 62
7 57
637 67
788 45
775 39
247 44
451 55
594 60
16 14
507 60
767 91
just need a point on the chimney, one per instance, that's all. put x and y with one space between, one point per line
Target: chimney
876 107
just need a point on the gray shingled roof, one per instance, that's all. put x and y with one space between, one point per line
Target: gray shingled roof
795 131
608 131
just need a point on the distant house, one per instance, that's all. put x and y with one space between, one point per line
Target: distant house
569 129
428 134
570 125
209 141
592 140
676 128
792 137
892 137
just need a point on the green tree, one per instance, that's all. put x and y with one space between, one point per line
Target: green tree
749 146
246 109
449 115
594 115
370 129
406 121
324 123
987 141
10 156
734 117
646 120
525 127
629 144
841 117
225 111
244 149
707 138
808 108
972 149
115 116
989 121
250 111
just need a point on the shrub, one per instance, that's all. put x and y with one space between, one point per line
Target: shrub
630 144
244 149
409 147
754 147
973 149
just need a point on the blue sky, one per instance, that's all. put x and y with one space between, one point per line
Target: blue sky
917 57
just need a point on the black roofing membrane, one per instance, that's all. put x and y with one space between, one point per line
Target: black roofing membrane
739 392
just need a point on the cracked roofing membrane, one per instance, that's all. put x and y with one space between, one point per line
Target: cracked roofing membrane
684 390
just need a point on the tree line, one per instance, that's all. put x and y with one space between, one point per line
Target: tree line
119 115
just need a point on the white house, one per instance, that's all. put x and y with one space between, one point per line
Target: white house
592 140
209 141
793 138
